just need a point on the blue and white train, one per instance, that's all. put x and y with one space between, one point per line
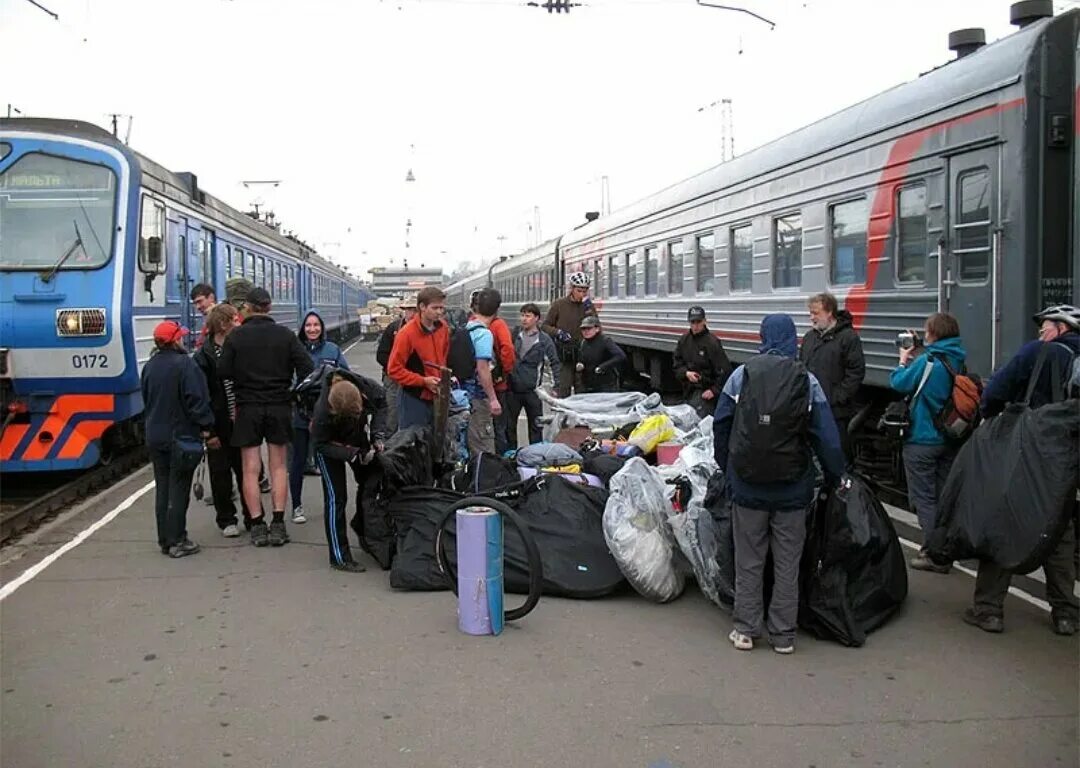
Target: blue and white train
97 245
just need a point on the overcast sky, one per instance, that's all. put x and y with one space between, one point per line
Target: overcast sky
496 107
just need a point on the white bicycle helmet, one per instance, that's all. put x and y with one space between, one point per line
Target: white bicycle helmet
579 280
1061 313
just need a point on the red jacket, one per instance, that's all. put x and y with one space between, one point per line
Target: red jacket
417 353
504 347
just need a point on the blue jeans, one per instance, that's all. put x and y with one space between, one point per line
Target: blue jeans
414 412
173 471
926 467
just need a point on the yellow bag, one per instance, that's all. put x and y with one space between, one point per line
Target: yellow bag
566 469
652 431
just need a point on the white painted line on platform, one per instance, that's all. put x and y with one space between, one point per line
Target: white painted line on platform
10 588
346 350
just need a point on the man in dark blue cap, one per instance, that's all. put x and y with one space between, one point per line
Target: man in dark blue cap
701 365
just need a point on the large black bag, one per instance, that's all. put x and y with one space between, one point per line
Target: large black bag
718 504
565 519
1012 487
772 417
483 472
853 576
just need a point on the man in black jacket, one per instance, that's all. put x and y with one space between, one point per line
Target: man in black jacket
348 426
832 351
382 357
701 365
261 358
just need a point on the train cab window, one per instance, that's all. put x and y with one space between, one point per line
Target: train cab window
912 236
675 267
614 277
741 267
153 226
787 246
631 273
849 221
652 270
705 247
971 232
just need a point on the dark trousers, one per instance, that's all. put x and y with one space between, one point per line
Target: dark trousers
173 471
414 412
567 379
534 409
700 404
842 423
992 582
503 426
335 498
224 464
301 443
926 467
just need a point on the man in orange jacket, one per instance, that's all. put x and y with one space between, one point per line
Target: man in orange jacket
420 350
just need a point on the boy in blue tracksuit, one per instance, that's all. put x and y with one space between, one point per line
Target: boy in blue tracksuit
312 335
771 514
922 376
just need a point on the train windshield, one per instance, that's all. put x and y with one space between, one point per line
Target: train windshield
56 210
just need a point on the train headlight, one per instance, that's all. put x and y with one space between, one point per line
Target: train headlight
80 322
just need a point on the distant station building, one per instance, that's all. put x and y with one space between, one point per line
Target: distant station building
389 283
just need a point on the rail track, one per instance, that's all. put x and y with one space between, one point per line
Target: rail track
30 500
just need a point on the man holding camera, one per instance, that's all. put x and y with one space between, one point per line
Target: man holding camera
924 378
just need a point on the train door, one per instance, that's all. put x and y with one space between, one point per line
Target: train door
179 278
967 273
199 266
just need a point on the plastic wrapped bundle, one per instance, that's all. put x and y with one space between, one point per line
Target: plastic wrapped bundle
635 528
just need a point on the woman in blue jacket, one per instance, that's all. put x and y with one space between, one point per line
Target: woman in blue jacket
312 335
922 376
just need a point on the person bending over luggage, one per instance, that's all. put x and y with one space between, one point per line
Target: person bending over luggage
772 413
1058 342
177 418
483 399
534 350
348 427
923 377
600 358
312 335
701 364
832 351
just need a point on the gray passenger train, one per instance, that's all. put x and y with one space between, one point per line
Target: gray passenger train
957 191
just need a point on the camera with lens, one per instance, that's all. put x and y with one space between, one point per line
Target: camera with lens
908 340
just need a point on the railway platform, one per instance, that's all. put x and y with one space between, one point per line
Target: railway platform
113 655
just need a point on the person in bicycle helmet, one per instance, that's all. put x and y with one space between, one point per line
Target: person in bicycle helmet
563 324
1059 346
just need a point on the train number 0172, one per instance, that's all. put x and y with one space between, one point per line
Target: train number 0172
90 361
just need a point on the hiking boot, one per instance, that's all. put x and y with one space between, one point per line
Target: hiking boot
984 622
740 641
260 536
350 566
183 549
1064 625
278 534
264 485
298 515
230 531
921 562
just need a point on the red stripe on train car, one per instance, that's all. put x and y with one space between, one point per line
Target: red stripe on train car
63 408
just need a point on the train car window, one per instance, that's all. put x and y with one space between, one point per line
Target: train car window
613 277
598 276
652 270
152 227
260 272
277 292
972 229
228 261
675 267
705 248
742 258
912 236
249 272
206 250
631 273
787 243
849 221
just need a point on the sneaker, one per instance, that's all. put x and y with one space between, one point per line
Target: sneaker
349 565
260 536
923 563
311 469
298 515
1064 626
208 501
740 641
183 549
278 535
230 531
986 623
785 649
264 485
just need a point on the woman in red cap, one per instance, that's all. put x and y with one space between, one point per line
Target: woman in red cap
178 419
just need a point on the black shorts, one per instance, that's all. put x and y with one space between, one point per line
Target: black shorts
256 422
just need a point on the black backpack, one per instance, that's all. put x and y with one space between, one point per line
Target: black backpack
772 418
461 360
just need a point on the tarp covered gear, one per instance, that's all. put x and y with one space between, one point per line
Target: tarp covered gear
611 410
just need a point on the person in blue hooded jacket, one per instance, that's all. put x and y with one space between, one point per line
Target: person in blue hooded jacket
923 377
770 476
312 335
